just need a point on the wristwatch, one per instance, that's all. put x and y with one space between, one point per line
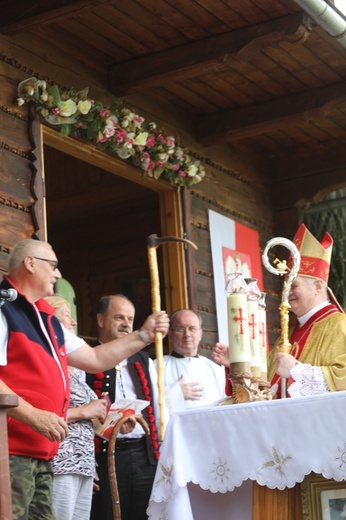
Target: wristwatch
144 337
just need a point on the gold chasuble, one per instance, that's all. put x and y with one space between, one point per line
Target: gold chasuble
320 342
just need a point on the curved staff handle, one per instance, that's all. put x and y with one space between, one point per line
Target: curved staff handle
111 460
282 269
153 241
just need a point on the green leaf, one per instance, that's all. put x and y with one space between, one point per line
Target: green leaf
92 130
65 129
91 134
54 92
102 146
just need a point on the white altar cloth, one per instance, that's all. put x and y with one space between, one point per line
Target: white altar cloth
276 443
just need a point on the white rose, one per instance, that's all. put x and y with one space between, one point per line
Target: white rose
191 170
67 108
41 83
84 106
141 139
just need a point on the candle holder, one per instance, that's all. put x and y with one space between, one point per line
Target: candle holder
247 390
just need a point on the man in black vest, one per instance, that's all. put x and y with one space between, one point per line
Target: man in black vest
136 454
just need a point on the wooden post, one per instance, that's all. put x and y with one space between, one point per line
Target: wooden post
271 504
6 401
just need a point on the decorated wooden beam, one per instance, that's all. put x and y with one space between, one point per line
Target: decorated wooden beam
204 56
249 121
24 15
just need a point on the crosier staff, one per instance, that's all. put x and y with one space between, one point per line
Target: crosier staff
284 344
153 241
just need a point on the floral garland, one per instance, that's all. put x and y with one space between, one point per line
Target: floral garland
118 130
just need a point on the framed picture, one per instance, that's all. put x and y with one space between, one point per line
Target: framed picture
323 499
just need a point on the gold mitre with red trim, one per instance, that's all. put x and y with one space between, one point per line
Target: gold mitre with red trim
314 255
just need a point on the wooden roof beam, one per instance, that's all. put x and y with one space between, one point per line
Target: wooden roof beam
23 15
204 56
249 121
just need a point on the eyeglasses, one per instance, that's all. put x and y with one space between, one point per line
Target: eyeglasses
183 330
53 263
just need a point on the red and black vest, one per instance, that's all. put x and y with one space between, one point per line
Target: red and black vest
32 371
138 366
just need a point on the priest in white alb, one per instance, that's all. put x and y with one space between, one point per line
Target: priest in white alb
190 379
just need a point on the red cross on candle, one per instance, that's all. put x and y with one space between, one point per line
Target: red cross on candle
262 334
252 325
240 319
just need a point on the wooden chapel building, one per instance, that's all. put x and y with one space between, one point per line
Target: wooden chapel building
255 90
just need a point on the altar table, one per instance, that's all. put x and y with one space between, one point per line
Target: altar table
207 453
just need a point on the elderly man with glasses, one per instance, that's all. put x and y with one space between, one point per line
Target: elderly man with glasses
190 379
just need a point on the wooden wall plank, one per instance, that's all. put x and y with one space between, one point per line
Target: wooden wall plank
16 177
17 135
14 225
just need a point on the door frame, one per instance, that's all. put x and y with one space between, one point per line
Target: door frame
175 279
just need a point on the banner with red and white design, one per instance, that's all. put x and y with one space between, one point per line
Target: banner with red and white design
235 249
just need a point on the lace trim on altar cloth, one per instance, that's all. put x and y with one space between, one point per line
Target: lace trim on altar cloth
308 380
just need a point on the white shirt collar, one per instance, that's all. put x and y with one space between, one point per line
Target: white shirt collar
303 319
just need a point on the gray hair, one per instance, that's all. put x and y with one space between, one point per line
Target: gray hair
311 281
175 314
22 249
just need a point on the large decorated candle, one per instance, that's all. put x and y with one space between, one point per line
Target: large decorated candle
254 337
237 315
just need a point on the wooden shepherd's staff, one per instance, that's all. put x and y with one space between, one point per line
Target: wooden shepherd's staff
153 241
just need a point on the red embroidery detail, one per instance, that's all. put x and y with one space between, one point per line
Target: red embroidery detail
151 418
97 443
97 386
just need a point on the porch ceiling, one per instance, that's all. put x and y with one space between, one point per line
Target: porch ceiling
259 75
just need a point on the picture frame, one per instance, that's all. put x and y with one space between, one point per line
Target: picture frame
323 499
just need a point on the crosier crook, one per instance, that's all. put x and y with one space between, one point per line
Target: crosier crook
153 241
284 344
